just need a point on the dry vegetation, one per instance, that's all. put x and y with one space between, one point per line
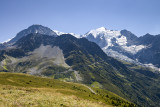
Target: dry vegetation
13 96
20 90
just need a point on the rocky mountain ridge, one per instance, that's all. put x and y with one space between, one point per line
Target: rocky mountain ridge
122 45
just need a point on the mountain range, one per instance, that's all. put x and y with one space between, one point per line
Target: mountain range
40 51
122 45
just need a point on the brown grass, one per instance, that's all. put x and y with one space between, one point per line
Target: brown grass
11 96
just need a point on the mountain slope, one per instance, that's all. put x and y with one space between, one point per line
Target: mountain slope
131 38
81 61
36 91
151 54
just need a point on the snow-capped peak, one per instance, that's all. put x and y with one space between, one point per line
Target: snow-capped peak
109 38
102 29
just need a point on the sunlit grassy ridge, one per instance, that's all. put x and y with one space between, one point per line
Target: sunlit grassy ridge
26 90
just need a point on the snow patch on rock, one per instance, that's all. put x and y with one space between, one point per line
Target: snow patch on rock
152 66
117 55
134 48
61 33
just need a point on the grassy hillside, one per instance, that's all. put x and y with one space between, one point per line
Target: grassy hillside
26 90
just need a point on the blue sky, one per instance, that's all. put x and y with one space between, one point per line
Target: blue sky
80 16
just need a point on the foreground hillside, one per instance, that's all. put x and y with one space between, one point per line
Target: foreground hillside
27 90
